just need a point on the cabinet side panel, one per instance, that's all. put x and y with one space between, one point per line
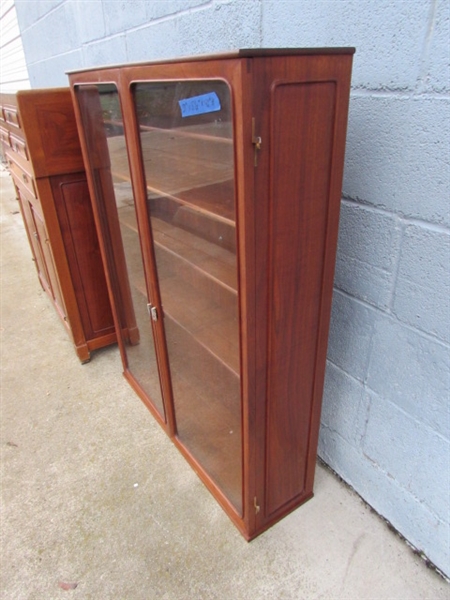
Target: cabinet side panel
302 131
50 129
73 205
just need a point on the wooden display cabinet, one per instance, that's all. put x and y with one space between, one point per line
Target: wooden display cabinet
216 183
42 150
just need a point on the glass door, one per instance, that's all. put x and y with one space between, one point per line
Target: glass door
109 169
187 150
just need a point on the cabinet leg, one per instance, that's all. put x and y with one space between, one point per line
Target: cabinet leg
83 354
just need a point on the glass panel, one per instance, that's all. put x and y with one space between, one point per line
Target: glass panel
187 150
102 122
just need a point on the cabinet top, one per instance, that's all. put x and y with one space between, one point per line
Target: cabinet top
241 53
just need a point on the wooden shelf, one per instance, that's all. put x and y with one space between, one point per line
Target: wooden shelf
186 264
218 131
206 323
214 262
183 168
190 216
215 200
214 439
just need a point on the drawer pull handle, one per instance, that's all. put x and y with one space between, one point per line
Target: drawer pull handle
25 178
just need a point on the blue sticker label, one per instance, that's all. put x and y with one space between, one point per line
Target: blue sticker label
199 105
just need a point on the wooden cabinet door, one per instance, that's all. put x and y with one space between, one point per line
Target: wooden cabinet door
39 242
115 213
46 251
187 153
76 222
34 239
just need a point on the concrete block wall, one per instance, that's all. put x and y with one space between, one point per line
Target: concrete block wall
385 423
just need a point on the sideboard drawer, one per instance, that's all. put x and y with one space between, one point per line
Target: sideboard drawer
25 195
22 177
11 115
4 136
19 146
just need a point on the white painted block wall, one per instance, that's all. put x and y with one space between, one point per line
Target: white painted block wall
385 425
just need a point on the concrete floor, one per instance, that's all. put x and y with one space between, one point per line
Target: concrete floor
95 496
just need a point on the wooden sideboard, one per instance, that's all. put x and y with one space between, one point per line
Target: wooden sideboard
42 150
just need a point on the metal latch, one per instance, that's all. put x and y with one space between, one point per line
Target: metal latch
256 141
256 505
153 312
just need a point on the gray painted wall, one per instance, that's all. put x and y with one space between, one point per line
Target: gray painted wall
385 426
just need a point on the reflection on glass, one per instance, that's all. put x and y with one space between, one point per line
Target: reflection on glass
103 126
187 150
